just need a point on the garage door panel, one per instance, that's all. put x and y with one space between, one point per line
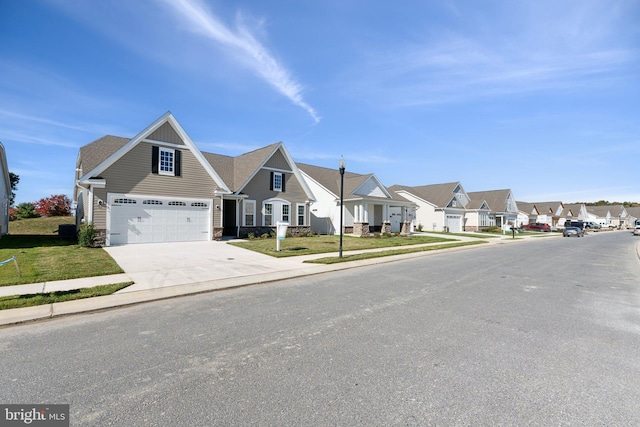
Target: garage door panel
168 221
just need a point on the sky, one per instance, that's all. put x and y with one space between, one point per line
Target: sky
542 97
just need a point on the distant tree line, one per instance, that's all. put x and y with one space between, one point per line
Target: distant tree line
607 203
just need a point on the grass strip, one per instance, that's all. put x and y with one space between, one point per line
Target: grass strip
296 246
369 255
30 300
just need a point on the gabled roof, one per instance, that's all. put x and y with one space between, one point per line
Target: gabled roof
353 182
496 199
572 209
634 212
527 207
231 174
437 194
546 207
600 211
100 154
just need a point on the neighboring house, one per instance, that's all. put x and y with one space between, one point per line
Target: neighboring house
159 187
545 212
634 215
441 207
610 216
495 207
368 205
575 212
5 192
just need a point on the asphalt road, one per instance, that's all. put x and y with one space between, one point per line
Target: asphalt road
537 333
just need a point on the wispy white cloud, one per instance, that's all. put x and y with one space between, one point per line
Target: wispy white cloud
546 48
256 56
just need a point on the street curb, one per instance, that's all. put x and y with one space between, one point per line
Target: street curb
48 311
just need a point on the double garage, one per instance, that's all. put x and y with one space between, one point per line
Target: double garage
149 219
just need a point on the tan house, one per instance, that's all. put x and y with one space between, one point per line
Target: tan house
159 187
550 213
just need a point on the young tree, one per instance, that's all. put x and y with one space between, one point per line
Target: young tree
14 179
26 210
55 205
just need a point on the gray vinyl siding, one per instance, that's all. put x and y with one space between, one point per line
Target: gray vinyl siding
258 190
278 161
167 134
132 175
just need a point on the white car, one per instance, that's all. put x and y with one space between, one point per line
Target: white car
636 231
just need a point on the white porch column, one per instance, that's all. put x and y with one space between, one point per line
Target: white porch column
365 217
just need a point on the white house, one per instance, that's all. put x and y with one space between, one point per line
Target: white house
368 205
5 192
441 207
502 210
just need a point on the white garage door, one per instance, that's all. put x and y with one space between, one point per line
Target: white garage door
454 223
148 219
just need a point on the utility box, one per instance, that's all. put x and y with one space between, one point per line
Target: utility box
67 231
281 233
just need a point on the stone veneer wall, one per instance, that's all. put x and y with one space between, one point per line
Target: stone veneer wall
406 228
386 227
361 229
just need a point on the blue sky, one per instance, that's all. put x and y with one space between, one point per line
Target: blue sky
538 96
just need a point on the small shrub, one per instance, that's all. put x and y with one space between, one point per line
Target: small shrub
376 235
419 227
387 234
491 229
251 236
264 236
26 210
87 236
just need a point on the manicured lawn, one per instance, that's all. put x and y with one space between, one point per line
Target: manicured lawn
40 226
368 255
45 258
295 246
19 301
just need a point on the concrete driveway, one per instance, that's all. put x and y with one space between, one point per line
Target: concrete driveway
157 265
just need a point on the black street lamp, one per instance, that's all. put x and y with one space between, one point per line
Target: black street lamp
341 166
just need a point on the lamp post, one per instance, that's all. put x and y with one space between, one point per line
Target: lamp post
341 166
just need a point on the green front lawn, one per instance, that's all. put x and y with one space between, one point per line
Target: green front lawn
44 258
20 301
295 246
40 226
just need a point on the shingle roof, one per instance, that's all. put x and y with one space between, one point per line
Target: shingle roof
97 151
438 194
634 212
330 178
547 207
525 207
496 199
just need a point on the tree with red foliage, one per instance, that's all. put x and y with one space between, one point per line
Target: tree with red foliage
56 205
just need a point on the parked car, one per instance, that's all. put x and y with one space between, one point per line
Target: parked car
580 224
636 231
572 231
592 225
538 226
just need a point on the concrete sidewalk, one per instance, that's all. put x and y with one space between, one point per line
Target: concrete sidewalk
159 273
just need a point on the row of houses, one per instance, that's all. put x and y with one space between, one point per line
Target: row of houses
159 187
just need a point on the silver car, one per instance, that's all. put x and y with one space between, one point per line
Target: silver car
572 231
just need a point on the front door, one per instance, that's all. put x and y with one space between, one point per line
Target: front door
229 224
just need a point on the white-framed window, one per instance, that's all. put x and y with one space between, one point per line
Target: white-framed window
267 214
166 161
249 215
301 213
277 181
275 210
152 202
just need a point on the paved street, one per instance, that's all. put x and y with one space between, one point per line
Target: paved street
545 332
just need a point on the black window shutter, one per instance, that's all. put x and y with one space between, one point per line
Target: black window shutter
155 154
271 181
283 189
177 167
